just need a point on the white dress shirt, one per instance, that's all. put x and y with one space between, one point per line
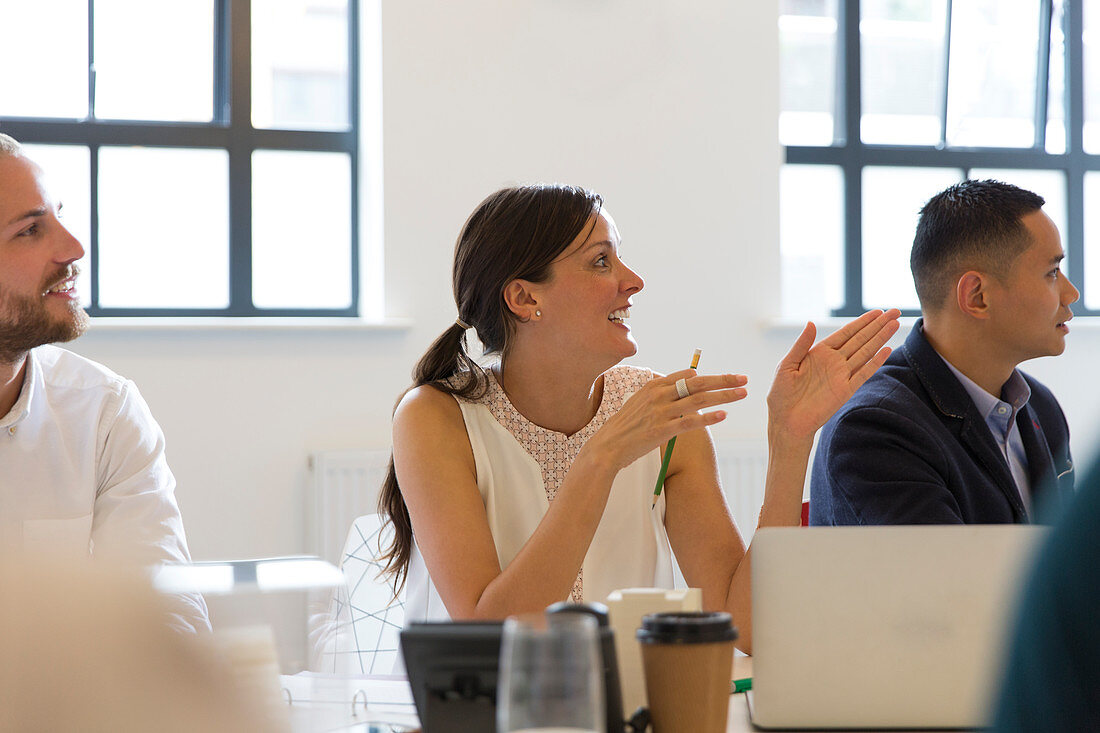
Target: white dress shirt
83 472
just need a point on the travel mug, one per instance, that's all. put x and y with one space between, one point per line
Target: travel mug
687 658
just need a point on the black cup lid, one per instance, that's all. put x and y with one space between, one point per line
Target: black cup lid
596 610
686 627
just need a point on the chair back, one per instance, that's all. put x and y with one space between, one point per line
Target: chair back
368 616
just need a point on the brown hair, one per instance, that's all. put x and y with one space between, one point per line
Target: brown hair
515 233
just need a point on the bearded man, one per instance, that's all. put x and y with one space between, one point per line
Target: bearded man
82 466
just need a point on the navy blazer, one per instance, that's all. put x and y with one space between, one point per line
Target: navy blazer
910 447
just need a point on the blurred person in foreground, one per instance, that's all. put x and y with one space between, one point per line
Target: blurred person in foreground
82 466
950 431
85 648
1052 680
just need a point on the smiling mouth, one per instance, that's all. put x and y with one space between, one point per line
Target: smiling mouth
64 286
619 316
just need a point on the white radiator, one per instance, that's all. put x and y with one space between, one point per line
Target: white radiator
346 484
742 467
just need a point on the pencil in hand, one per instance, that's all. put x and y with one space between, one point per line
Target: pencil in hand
671 444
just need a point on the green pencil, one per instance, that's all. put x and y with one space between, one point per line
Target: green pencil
742 685
671 444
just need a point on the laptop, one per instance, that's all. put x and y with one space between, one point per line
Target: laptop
883 627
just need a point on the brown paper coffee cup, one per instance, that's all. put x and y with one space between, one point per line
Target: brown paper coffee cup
687 659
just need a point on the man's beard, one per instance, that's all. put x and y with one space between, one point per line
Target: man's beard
25 322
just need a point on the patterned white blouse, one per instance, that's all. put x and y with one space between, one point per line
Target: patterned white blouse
520 467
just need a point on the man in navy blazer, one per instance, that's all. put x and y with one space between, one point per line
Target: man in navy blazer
949 431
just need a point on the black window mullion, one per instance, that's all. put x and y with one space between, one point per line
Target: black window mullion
124 133
216 312
1073 25
353 144
91 59
853 237
849 44
1078 161
944 98
851 88
222 50
1074 236
928 157
173 134
1042 73
93 229
311 140
240 159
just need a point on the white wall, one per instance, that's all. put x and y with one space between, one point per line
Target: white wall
668 109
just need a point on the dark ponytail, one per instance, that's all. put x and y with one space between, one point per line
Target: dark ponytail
516 233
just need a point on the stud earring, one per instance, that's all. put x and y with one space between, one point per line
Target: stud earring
538 313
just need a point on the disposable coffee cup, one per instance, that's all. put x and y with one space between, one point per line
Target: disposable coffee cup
687 657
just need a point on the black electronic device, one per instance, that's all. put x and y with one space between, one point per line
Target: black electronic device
453 670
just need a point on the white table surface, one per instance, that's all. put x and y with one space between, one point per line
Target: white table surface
324 703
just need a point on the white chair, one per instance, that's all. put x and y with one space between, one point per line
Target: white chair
365 620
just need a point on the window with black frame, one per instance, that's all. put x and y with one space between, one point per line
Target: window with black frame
205 152
886 102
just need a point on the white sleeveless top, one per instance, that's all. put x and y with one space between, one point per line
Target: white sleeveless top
519 469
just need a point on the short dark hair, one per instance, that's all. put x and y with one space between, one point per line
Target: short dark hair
973 224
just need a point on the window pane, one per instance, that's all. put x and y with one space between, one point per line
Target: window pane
1092 240
991 89
163 228
901 54
1051 185
301 230
807 71
154 60
67 170
811 239
54 33
1090 37
892 200
300 65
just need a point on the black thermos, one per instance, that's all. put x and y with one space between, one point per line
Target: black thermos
613 693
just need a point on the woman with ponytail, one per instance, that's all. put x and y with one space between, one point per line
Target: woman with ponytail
529 480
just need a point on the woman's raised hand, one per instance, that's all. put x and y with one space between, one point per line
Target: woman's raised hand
656 412
814 381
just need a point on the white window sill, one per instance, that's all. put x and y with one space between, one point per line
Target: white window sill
131 325
828 324
825 324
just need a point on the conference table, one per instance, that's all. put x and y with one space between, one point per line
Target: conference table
353 704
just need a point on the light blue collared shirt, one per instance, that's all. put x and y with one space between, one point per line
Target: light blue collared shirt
1000 416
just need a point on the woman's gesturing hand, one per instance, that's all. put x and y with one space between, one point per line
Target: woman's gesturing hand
656 412
813 383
